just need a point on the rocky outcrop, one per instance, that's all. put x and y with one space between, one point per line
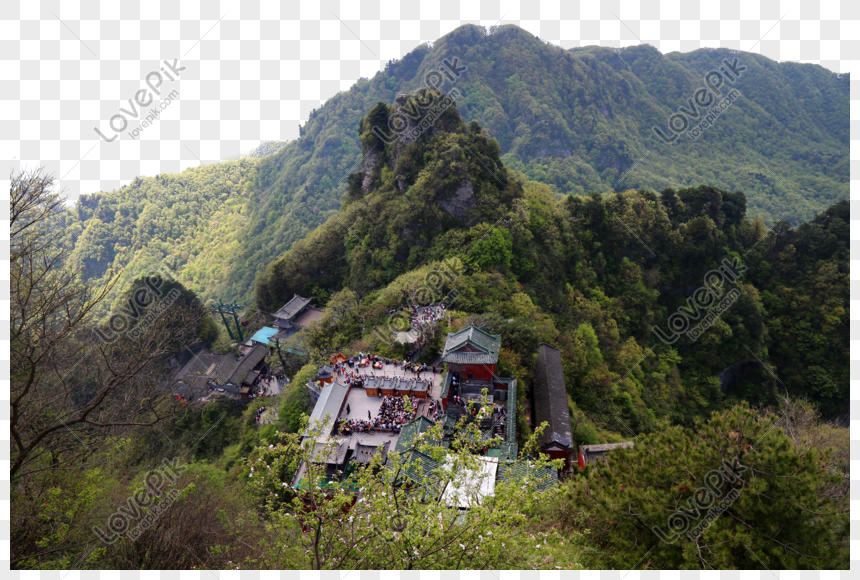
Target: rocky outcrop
732 375
463 200
367 167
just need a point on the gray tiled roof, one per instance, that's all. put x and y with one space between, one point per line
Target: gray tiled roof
289 310
364 452
373 383
508 451
247 363
206 365
329 403
332 452
604 447
550 398
282 324
446 385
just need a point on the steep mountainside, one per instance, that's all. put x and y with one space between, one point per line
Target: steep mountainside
662 305
188 221
399 207
579 120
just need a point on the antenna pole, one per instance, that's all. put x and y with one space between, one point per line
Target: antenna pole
220 310
233 308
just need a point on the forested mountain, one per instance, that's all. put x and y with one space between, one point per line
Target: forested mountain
606 278
684 324
577 120
190 220
594 274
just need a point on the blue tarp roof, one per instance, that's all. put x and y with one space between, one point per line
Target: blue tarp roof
264 335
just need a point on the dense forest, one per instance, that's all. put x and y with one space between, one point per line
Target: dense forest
760 391
577 120
599 275
689 318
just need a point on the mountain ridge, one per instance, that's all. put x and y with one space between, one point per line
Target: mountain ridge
564 117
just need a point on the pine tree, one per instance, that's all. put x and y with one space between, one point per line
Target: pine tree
734 492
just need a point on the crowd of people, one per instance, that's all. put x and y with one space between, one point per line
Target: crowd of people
499 412
393 414
357 378
416 370
352 371
260 412
420 317
426 315
435 409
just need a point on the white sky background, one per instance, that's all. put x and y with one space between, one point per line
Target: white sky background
282 47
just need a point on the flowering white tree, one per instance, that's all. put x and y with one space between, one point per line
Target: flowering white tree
427 507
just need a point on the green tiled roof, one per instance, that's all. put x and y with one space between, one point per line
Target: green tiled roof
517 471
509 451
411 430
487 435
487 344
415 466
452 418
446 386
471 358
504 451
511 435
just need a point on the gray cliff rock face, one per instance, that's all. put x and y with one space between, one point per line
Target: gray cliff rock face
731 375
459 204
367 165
402 140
